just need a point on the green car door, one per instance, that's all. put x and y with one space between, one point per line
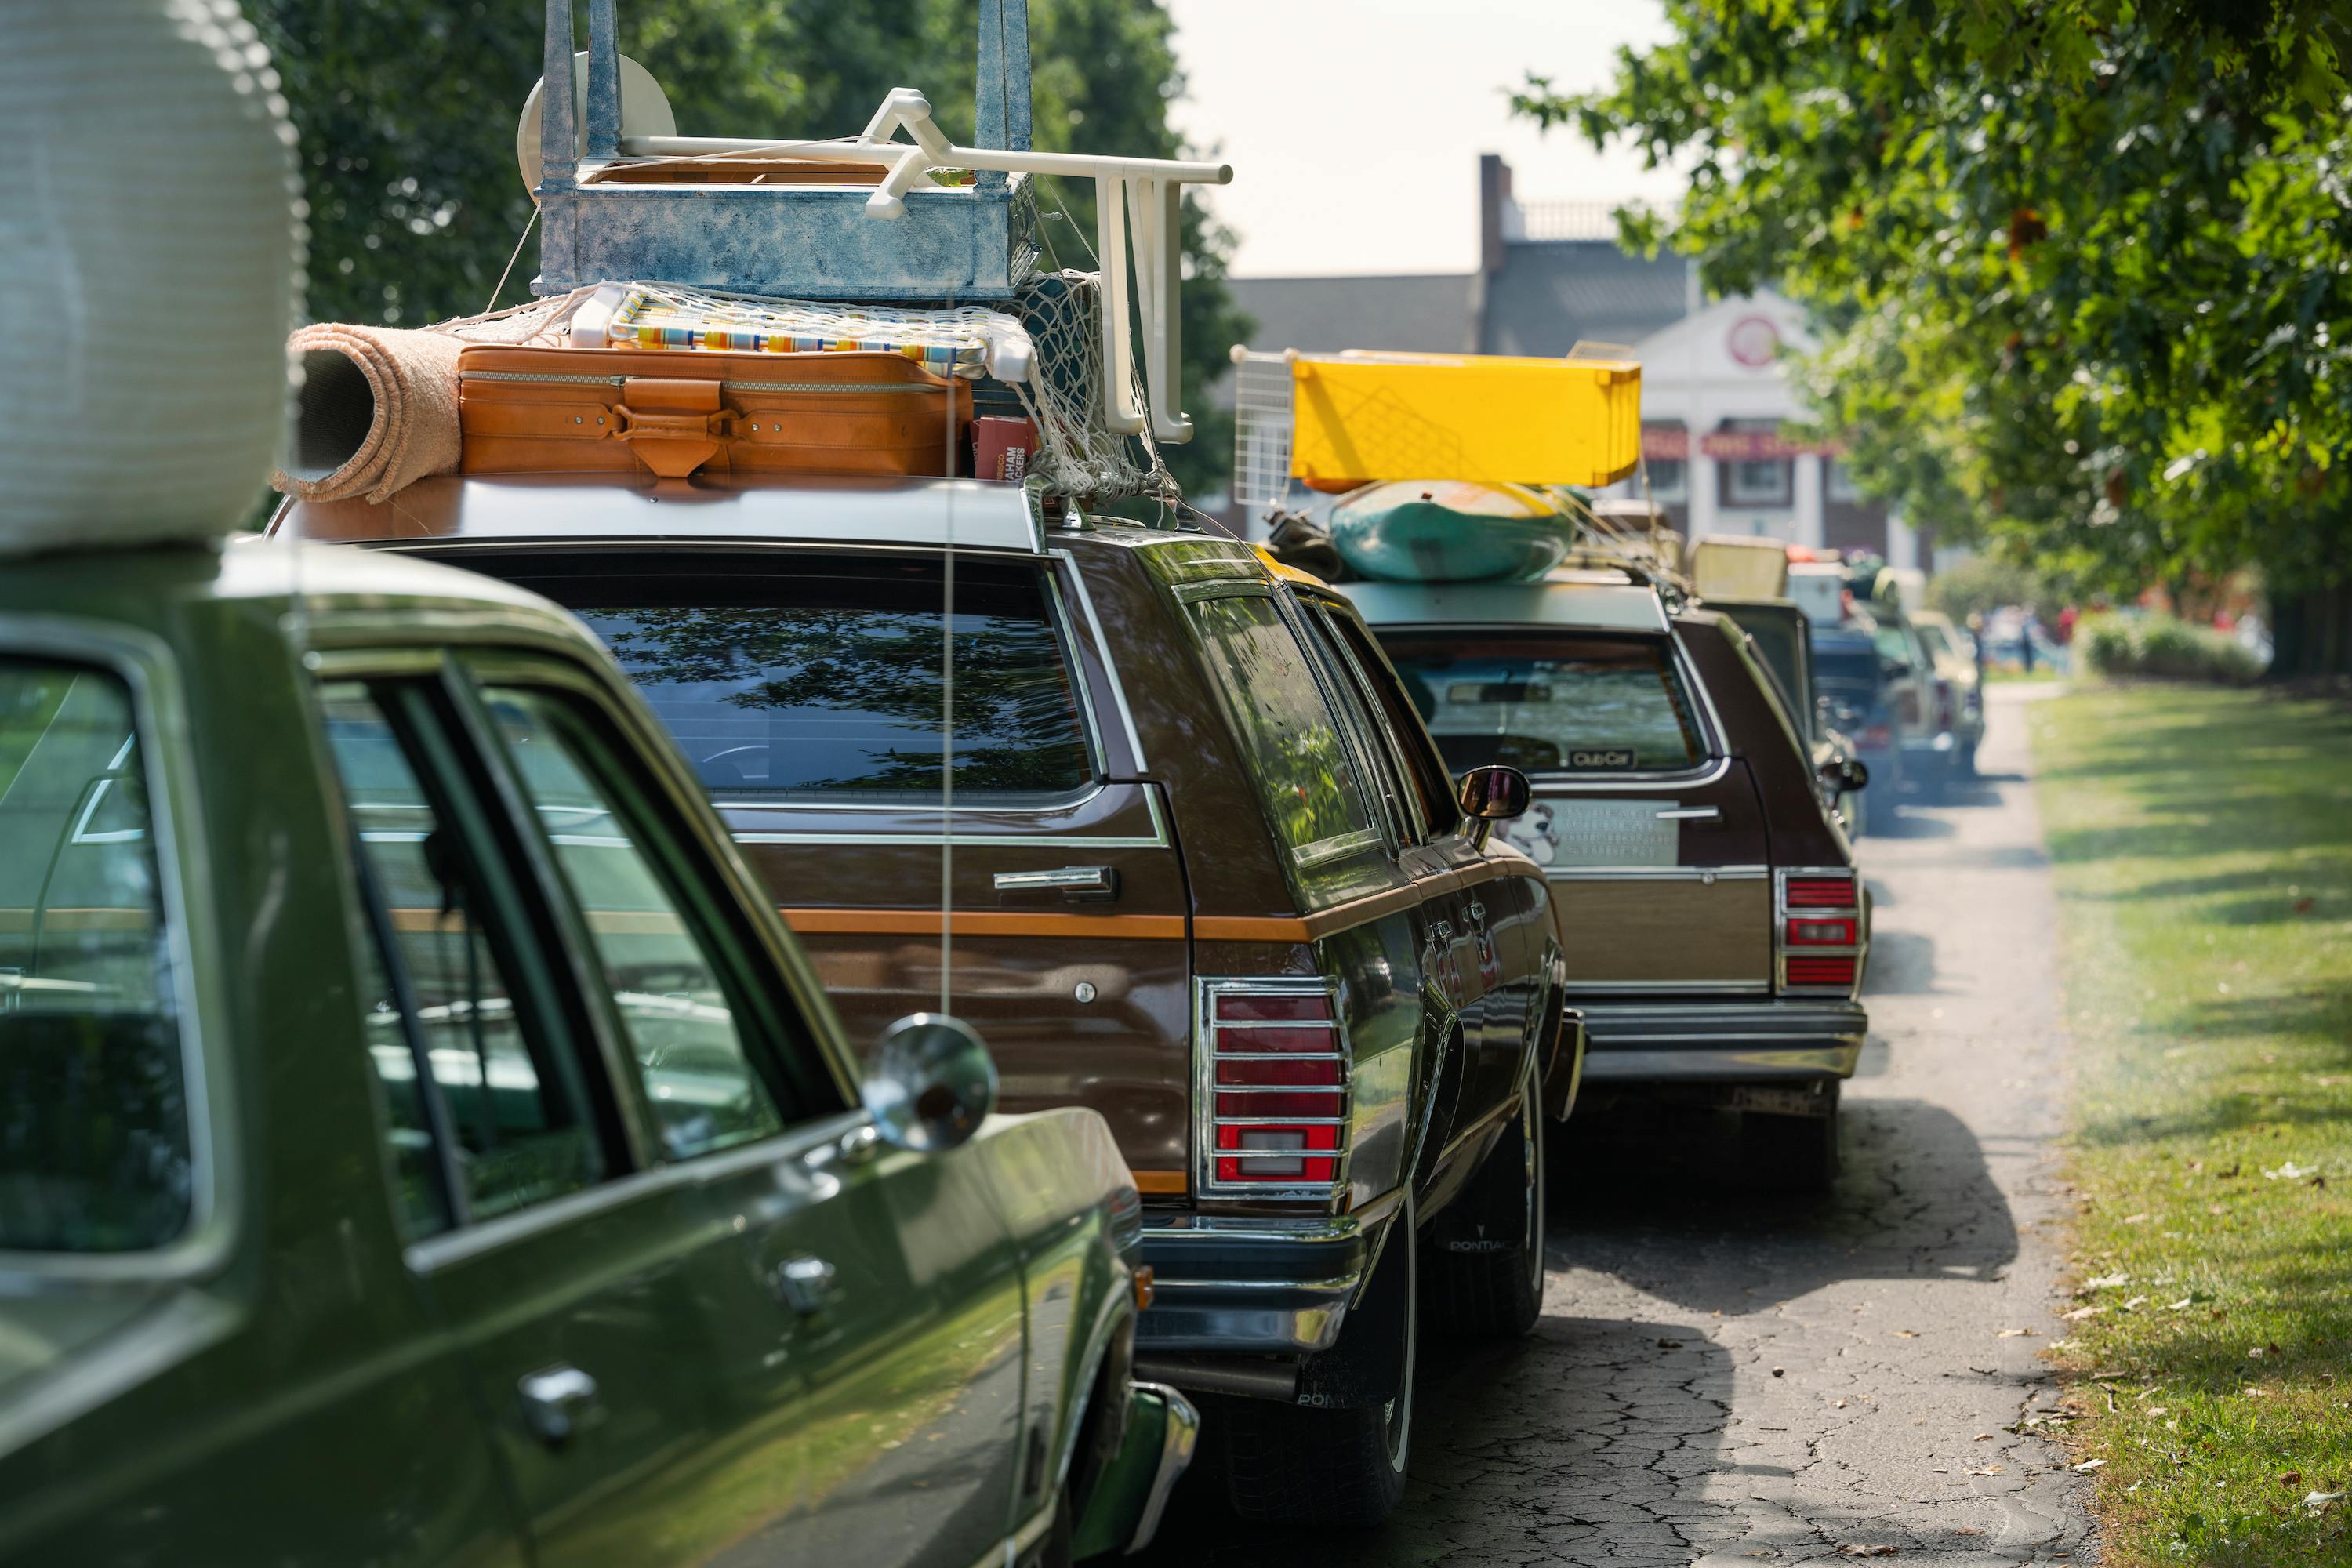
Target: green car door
874 1294
712 1319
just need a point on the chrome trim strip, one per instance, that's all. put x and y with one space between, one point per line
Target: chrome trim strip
1339 1285
148 670
1655 873
1337 847
1635 988
1176 1445
1691 813
1102 650
1555 784
1042 838
1069 643
1831 1058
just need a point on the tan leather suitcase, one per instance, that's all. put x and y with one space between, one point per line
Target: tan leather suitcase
677 412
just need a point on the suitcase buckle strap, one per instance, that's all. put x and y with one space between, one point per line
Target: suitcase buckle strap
673 427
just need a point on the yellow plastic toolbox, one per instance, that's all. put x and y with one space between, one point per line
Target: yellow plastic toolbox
1488 418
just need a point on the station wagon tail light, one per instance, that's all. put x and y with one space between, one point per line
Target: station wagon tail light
1821 933
1877 738
1274 1082
1946 715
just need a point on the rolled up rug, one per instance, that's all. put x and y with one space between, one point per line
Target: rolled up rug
379 411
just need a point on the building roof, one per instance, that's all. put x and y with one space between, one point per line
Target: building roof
1414 312
1549 295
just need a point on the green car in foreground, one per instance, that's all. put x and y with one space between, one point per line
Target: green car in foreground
420 1143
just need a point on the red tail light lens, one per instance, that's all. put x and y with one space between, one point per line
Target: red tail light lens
1278 1100
1821 931
1877 737
1946 715
1821 893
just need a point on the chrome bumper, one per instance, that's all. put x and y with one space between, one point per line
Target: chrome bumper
1722 1042
1249 1287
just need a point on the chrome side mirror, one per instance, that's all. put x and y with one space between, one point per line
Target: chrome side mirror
1492 795
931 1083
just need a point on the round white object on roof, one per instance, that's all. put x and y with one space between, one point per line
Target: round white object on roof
151 241
644 111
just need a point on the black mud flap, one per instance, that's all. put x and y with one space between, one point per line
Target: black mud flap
1368 1366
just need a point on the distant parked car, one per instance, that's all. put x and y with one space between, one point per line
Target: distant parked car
1854 695
1960 695
1783 640
421 1143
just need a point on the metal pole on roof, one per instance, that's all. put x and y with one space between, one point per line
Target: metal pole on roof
559 143
603 82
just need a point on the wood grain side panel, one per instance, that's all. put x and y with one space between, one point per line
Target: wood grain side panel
1667 932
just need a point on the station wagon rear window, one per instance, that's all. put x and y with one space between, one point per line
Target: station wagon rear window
1548 703
787 676
94 1151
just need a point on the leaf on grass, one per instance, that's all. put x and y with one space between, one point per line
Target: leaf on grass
2289 1172
2176 1306
2088 1466
2106 1282
2320 1502
2135 1219
2079 1313
2135 1301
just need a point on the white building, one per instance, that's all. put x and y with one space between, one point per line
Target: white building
1715 395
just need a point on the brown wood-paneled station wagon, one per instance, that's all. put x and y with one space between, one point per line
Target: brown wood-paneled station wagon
1210 877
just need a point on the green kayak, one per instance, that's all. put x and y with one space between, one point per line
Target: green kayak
1449 530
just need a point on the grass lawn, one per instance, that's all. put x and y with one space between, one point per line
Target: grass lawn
2203 842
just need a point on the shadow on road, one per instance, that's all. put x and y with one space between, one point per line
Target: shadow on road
1581 1443
1915 1198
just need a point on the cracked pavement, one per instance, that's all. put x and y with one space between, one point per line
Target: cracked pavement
1722 1378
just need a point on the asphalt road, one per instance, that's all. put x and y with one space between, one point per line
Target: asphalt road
1726 1379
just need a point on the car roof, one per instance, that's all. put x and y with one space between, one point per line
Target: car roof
1584 601
526 507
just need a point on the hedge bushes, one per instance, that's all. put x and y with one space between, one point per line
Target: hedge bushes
2164 648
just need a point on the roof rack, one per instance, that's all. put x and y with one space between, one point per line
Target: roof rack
862 217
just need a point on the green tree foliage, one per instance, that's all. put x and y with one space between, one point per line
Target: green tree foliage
407 112
2083 268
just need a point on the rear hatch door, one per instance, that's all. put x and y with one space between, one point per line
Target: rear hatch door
1649 832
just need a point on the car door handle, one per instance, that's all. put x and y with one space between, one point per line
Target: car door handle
1691 813
554 1401
803 1283
1075 883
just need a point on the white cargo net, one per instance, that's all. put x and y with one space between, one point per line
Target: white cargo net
1079 455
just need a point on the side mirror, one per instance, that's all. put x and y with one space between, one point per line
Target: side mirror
931 1083
1847 774
1493 795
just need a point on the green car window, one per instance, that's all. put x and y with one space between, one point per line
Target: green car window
94 1150
1292 749
489 1076
682 1029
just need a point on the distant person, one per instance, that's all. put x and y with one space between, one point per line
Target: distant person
2066 618
1978 634
2025 641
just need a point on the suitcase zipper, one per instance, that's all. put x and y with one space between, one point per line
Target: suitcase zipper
868 387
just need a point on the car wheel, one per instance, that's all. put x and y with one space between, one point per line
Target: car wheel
1296 1464
1795 1154
1487 1262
